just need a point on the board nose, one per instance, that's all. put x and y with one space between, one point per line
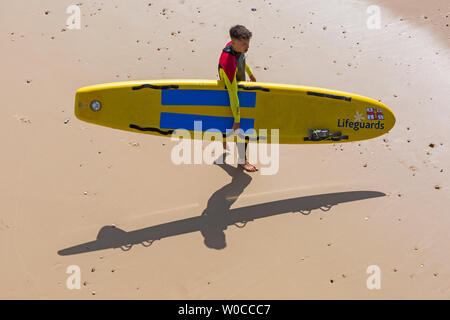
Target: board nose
389 117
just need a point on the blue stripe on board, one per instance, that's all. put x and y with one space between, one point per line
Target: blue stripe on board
186 121
205 98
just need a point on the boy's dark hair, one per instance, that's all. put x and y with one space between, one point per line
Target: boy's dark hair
239 32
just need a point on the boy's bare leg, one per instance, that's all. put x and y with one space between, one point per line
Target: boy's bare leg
243 161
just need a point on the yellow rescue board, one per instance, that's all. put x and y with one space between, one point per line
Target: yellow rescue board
302 115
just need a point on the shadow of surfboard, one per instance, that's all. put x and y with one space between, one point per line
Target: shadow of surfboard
217 216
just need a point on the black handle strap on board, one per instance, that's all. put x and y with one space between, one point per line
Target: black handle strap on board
245 137
224 135
327 95
241 86
152 86
133 126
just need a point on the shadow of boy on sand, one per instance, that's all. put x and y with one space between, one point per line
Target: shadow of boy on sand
217 216
218 207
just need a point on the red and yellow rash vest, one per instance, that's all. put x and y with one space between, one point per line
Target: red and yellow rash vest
232 68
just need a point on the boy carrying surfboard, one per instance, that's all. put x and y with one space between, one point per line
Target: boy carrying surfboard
232 68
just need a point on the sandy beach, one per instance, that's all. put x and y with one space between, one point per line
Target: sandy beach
77 194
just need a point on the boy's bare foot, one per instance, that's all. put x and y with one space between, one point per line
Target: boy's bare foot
248 167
